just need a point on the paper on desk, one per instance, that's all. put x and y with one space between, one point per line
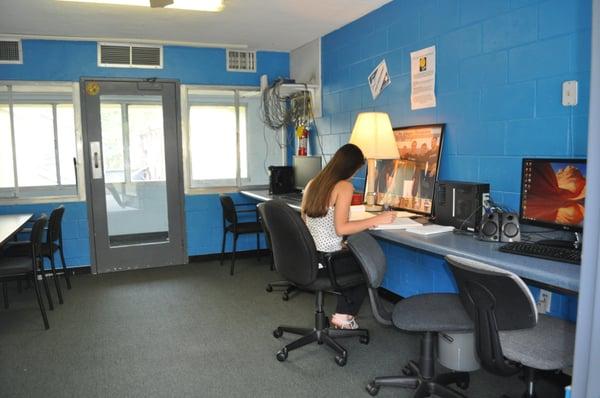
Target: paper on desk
430 229
400 223
358 212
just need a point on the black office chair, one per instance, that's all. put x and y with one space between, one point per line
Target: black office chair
19 268
510 335
52 244
232 225
424 313
297 260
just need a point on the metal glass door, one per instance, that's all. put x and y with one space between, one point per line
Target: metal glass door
135 194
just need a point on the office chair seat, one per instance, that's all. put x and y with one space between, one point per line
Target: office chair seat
323 281
15 265
547 346
440 312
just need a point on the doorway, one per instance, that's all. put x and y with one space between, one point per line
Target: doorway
134 184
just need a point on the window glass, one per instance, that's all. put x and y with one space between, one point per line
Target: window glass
67 149
34 141
146 143
7 179
112 142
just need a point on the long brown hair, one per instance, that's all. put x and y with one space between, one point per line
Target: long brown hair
346 161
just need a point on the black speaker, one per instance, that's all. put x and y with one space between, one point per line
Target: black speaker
510 231
281 179
490 227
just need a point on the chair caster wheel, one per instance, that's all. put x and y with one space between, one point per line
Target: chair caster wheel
372 389
285 297
463 385
277 333
364 339
269 288
340 360
282 355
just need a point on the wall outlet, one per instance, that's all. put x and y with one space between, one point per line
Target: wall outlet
569 93
544 301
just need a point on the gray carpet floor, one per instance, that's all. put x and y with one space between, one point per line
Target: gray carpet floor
192 331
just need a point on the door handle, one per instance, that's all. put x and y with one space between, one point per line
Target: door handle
96 159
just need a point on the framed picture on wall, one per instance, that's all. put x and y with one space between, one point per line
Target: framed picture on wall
408 183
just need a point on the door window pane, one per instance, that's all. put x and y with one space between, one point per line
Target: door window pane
146 142
113 158
65 126
34 139
7 179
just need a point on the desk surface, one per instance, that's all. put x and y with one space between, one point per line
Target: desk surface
11 224
552 273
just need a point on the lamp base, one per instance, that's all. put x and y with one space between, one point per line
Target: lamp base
373 208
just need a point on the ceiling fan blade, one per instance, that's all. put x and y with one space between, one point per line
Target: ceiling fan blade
160 3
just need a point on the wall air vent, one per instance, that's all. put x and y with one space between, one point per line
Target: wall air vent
241 61
116 55
11 52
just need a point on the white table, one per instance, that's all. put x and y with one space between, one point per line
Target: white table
10 224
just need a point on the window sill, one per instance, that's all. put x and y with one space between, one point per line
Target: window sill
40 200
228 189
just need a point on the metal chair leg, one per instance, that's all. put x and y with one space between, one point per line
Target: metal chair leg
235 238
36 287
5 294
223 246
64 266
55 277
257 247
46 288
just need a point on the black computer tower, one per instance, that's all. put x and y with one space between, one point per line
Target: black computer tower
281 180
460 204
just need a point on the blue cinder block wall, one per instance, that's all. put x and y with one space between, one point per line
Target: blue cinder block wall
500 66
49 60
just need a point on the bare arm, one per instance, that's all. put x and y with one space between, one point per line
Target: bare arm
343 226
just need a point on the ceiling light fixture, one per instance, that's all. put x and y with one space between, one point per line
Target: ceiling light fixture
195 5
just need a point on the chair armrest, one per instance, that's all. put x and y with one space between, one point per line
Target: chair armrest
330 260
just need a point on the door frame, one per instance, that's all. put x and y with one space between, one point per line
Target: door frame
181 228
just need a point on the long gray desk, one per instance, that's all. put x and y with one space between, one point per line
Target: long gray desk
10 224
555 274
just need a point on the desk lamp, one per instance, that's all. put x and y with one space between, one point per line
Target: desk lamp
373 134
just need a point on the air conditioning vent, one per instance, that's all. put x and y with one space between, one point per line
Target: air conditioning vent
241 61
129 56
10 52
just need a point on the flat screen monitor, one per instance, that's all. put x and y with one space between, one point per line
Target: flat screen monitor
305 169
408 183
553 193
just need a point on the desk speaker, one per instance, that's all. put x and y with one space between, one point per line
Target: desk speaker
510 230
490 227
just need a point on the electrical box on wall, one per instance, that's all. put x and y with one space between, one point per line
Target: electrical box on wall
305 69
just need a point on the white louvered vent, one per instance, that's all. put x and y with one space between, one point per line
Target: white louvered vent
241 61
129 55
10 52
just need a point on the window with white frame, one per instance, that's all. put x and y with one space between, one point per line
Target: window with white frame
37 140
228 145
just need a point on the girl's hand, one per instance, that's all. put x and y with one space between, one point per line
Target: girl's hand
387 217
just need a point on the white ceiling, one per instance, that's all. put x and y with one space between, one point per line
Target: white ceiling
258 24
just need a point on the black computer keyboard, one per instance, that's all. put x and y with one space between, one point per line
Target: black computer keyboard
554 253
293 196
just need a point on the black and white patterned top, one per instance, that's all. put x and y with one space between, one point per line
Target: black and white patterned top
323 232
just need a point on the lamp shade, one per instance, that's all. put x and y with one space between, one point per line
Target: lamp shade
373 134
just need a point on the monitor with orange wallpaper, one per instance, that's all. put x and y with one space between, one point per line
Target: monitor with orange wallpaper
553 193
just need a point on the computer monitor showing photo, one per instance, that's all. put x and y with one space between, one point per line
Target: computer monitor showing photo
553 193
305 169
408 183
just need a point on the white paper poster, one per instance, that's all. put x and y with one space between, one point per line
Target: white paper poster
379 79
422 72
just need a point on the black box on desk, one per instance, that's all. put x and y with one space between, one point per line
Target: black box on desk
281 180
460 204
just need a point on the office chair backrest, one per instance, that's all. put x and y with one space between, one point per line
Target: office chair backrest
36 235
229 213
54 224
293 247
369 254
373 263
495 299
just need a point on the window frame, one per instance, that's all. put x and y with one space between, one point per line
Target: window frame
54 190
187 151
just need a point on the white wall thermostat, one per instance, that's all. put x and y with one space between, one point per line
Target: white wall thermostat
569 93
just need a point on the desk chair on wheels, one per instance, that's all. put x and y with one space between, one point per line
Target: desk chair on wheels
232 225
297 260
510 335
424 313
